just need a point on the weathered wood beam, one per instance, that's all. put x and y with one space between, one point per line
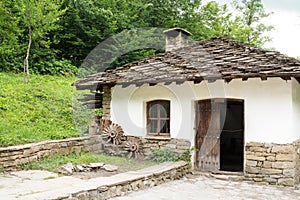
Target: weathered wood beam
179 82
125 85
93 105
138 84
152 84
168 83
263 78
91 97
227 80
212 80
197 81
286 78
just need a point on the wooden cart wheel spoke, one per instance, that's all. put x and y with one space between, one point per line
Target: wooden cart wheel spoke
113 133
134 148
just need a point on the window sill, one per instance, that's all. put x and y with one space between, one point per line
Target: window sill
158 137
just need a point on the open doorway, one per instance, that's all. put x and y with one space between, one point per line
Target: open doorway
219 139
232 137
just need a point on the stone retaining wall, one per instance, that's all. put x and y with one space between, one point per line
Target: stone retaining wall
273 164
139 180
14 156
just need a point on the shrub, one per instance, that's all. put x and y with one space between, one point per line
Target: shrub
163 155
167 154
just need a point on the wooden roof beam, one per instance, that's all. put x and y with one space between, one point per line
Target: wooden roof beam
152 84
263 78
286 78
227 80
179 82
125 85
211 80
168 83
197 81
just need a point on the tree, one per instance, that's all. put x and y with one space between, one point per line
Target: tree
209 21
40 17
9 33
248 26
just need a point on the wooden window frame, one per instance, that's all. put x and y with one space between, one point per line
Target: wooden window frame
158 118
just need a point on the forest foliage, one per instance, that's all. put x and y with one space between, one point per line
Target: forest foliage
57 35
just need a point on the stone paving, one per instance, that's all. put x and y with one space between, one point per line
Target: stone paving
46 185
207 188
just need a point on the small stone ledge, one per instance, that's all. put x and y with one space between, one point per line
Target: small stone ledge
121 184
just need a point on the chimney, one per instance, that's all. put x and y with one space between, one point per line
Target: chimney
176 38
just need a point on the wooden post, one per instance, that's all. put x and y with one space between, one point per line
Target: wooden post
106 102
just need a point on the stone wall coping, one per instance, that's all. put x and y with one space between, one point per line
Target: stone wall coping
104 183
30 145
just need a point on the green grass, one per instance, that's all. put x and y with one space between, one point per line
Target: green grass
53 163
39 110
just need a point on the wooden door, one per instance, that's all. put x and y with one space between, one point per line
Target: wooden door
207 140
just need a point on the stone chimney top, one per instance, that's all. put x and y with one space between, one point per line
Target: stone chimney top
176 38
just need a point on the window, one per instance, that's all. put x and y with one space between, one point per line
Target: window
158 118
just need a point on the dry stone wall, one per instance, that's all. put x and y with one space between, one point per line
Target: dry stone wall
139 180
14 156
297 177
273 164
178 146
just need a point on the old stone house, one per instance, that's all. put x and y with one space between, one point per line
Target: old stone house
239 106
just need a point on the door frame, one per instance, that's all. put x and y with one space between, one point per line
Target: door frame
197 118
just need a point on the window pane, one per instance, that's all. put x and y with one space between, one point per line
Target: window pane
153 126
165 110
165 126
153 111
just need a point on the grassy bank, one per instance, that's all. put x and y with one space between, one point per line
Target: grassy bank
53 163
39 110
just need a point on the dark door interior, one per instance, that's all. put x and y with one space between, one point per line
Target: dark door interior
232 137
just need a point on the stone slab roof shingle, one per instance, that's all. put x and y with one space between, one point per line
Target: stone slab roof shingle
216 58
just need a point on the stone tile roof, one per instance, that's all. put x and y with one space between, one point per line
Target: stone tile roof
216 58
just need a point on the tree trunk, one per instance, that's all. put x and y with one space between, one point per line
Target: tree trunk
26 60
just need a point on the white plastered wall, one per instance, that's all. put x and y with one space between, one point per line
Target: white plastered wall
296 107
268 107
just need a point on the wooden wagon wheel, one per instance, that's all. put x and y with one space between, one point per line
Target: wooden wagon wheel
134 148
113 133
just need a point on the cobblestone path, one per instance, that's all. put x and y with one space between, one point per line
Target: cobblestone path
206 188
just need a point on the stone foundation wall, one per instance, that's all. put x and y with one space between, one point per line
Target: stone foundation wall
273 164
297 177
139 180
13 157
178 146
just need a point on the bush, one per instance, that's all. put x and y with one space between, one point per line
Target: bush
163 155
167 154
